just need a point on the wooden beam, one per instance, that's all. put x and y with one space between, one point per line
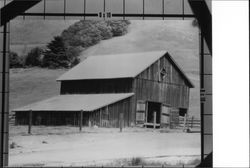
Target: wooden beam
154 119
15 8
204 18
30 122
80 120
121 121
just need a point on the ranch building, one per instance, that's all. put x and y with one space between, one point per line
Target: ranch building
106 90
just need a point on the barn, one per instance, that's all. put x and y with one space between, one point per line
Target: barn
106 90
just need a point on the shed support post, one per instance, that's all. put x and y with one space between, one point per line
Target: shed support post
185 123
80 120
30 122
121 121
154 119
192 121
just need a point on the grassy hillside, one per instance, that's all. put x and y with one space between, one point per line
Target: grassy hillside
33 84
179 38
28 34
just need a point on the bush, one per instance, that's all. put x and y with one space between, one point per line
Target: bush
34 57
119 27
105 30
86 33
195 23
59 55
82 33
15 60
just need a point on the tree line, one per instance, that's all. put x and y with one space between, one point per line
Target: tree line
64 50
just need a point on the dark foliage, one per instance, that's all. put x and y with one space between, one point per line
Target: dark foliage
195 23
15 60
119 28
59 55
34 57
86 33
63 51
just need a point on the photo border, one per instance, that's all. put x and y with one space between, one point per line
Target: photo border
201 13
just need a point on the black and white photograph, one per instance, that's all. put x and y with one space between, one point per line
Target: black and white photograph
106 83
104 93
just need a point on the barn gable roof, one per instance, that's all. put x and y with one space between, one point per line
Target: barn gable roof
127 65
76 102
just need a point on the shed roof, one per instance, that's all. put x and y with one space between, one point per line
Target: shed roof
127 65
76 102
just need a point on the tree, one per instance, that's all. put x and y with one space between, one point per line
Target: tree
15 60
34 57
59 55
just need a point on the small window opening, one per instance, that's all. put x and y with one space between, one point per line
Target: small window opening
163 74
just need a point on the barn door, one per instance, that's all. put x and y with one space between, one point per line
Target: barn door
140 112
174 118
165 116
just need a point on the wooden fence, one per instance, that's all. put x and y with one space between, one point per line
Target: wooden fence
189 122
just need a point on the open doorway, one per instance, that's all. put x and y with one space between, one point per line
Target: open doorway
182 112
154 107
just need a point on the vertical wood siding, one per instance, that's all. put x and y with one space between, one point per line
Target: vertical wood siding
172 90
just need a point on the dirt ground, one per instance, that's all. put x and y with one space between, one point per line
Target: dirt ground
66 146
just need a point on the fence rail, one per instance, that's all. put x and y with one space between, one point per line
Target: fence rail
190 122
186 123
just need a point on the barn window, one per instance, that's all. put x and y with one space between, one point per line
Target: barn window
162 74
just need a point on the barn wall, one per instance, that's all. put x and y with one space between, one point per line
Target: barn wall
109 116
172 90
48 118
123 85
104 117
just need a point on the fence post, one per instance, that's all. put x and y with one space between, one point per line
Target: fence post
121 121
185 122
80 122
192 121
154 119
30 122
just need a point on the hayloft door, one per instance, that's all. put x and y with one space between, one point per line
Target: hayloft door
140 111
165 116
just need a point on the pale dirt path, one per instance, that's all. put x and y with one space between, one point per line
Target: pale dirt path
101 147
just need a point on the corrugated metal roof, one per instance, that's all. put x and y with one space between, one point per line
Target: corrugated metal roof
85 102
112 66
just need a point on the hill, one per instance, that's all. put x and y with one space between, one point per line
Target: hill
27 34
179 38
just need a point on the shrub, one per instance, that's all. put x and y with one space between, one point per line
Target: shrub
195 23
14 145
34 57
119 27
15 60
137 161
105 30
82 33
59 55
86 33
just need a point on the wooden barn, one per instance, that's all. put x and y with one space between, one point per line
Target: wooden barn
132 89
